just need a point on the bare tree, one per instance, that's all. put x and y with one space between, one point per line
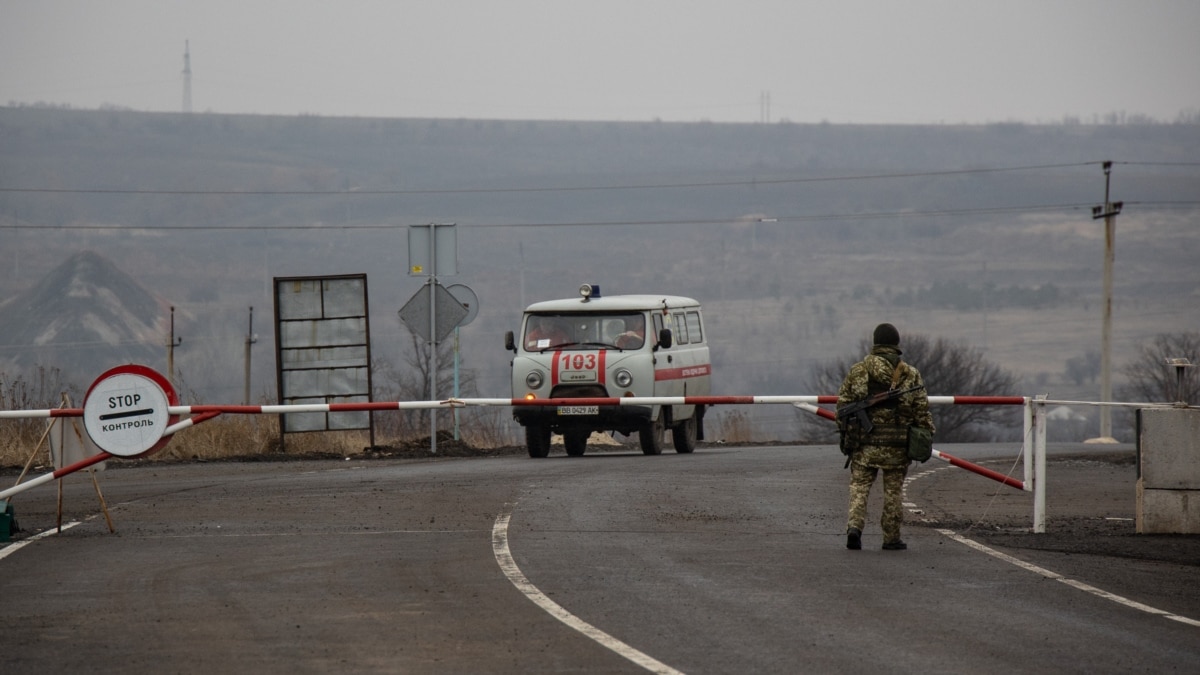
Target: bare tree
949 369
1086 368
1150 379
409 381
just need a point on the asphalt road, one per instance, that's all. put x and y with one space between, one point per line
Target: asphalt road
727 560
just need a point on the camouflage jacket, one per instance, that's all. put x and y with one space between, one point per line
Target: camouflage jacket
886 445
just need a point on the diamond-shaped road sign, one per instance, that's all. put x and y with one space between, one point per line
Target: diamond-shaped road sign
450 312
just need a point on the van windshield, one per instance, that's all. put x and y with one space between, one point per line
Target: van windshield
566 330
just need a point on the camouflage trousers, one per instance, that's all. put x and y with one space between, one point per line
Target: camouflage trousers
862 477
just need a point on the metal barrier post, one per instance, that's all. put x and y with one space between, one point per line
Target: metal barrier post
1027 440
1039 464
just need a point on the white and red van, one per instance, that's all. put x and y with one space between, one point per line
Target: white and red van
610 347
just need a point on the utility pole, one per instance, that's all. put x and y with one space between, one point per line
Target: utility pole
1108 211
251 338
172 343
187 77
986 293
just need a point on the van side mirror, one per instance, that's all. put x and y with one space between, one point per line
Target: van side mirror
664 339
509 343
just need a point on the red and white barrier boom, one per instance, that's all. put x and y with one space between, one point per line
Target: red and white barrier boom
956 461
133 411
1034 457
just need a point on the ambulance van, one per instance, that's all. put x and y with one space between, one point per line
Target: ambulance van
623 346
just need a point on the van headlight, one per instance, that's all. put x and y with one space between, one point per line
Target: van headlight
535 379
623 378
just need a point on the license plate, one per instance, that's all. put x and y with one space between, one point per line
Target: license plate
578 410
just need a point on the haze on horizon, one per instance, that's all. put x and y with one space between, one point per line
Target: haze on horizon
869 62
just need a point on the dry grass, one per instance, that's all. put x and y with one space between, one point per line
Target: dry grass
225 436
42 389
734 427
23 441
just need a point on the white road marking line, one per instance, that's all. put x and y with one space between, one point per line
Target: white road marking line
1049 574
514 574
17 546
1070 582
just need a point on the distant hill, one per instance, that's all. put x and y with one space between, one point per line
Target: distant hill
85 316
798 238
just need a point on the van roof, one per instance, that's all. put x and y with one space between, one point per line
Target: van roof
610 303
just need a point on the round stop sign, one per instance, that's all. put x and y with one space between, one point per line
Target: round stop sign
126 411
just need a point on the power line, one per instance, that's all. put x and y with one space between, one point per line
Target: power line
581 188
733 220
1159 163
1167 204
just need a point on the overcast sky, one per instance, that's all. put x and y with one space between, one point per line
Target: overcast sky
872 61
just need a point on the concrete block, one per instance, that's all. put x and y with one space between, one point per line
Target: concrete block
1167 511
1169 448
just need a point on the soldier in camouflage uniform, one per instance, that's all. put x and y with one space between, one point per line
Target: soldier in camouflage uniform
886 447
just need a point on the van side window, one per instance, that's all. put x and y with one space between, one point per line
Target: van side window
693 324
681 330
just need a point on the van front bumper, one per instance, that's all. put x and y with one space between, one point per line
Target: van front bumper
623 418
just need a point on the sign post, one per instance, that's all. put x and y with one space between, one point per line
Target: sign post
433 249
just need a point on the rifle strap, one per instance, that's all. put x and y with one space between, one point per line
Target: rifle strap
896 375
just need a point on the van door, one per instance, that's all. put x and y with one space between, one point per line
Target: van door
670 363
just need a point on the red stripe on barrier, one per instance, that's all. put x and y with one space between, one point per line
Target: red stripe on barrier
203 417
366 405
982 471
717 400
233 409
82 464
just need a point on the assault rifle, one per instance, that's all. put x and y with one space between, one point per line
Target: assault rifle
859 408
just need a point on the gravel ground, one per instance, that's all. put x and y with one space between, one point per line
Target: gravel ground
1090 509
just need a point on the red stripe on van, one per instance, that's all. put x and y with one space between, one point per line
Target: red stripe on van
683 373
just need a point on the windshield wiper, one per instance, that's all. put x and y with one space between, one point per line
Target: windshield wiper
563 345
